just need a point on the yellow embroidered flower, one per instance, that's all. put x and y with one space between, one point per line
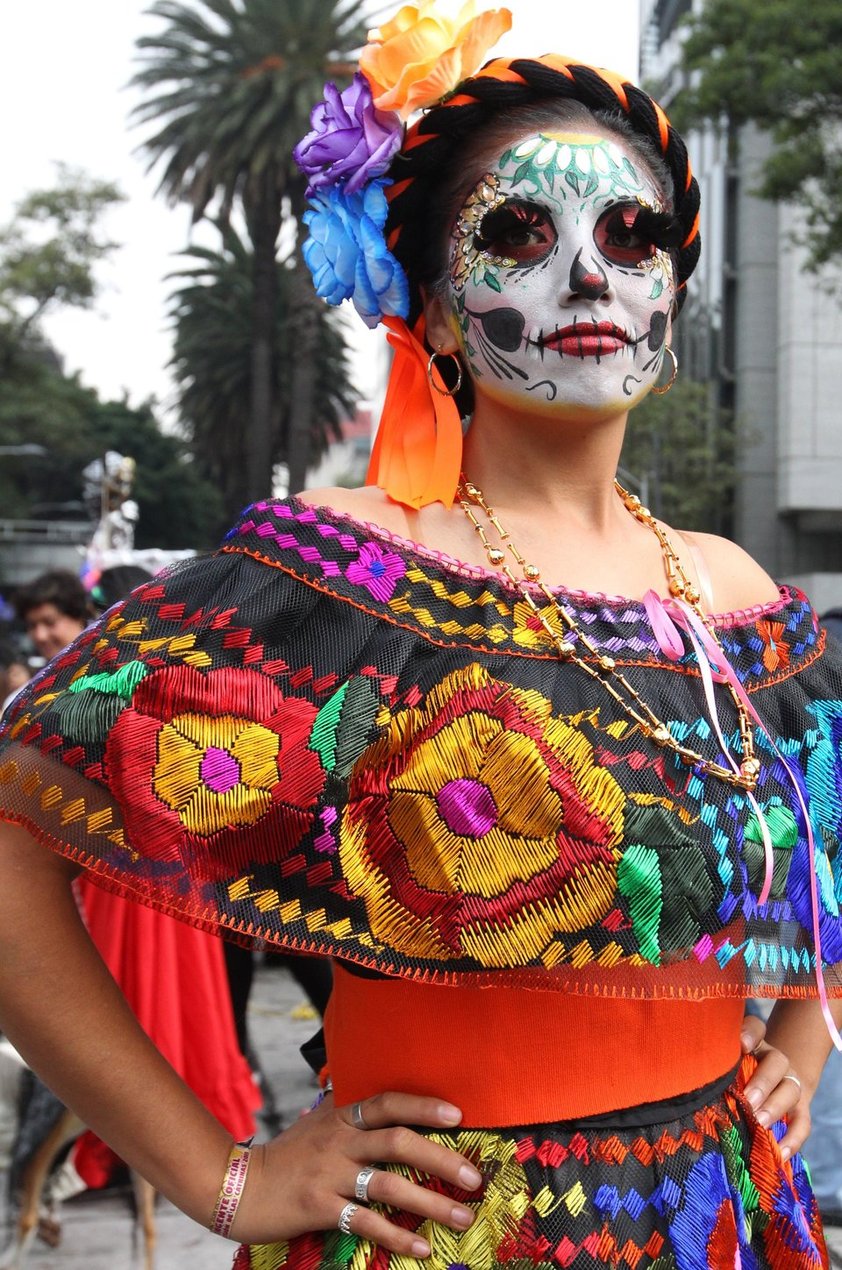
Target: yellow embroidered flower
426 49
481 825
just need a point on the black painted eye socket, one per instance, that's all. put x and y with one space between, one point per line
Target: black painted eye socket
619 235
519 231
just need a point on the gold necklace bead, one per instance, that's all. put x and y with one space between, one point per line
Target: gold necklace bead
605 669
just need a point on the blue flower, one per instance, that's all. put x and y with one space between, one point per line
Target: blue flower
347 254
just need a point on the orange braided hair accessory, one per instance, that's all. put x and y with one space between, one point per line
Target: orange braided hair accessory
501 86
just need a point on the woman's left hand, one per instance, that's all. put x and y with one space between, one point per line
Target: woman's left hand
774 1090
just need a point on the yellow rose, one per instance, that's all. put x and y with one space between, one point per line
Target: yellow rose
424 52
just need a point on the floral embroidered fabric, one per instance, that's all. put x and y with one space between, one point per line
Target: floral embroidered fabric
336 741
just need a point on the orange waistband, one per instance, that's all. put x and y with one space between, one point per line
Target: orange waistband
509 1056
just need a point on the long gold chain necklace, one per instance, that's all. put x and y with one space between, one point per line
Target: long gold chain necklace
601 667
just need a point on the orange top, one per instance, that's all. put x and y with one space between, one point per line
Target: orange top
511 1056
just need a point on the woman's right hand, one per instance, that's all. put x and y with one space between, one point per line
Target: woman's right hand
301 1181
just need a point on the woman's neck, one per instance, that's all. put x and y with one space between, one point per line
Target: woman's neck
551 463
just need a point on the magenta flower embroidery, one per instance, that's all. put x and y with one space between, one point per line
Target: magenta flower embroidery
376 569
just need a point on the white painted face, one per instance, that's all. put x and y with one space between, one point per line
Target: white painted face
558 295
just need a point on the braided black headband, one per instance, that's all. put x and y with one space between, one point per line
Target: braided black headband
504 84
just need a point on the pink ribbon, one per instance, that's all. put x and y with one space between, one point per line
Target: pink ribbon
670 617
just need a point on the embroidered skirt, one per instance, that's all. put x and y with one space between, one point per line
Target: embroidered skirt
694 1183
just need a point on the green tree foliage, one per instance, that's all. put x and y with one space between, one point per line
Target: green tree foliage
212 308
48 254
230 86
40 405
777 64
682 447
48 258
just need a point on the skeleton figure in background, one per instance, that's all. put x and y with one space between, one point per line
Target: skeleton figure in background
107 486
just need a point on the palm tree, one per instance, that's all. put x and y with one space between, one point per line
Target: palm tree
212 307
232 84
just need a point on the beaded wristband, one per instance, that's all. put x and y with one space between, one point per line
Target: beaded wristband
231 1191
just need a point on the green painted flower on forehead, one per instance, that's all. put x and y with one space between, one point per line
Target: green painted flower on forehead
542 161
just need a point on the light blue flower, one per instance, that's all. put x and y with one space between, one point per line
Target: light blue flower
347 254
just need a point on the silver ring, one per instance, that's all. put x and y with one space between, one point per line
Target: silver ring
791 1076
362 1183
344 1223
357 1117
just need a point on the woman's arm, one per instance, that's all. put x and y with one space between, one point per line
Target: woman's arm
64 1013
797 1029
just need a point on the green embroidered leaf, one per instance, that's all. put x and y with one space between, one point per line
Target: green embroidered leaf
325 724
783 831
491 281
342 728
118 683
469 349
783 828
639 880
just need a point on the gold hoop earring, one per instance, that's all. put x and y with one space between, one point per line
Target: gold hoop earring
445 392
659 392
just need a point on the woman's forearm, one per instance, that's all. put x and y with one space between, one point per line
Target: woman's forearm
62 1010
799 1029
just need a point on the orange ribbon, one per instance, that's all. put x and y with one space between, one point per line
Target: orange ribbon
417 454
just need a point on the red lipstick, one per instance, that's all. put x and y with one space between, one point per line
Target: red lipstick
586 339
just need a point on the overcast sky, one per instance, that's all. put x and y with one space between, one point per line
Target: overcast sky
64 67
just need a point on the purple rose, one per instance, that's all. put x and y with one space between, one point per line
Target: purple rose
350 138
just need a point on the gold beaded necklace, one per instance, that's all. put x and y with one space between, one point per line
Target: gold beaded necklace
602 667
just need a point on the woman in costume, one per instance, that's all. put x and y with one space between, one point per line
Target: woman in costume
556 786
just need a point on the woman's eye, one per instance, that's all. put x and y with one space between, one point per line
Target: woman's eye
521 232
617 240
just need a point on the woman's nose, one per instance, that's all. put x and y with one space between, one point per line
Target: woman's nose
587 278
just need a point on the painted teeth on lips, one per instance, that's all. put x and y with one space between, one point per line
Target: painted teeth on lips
586 339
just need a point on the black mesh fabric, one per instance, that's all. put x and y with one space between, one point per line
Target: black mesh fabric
335 741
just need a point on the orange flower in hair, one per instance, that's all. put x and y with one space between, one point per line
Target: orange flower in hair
428 47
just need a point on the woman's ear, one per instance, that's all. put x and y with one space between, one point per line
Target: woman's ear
439 320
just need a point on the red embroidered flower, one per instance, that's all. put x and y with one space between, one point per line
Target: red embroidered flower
214 770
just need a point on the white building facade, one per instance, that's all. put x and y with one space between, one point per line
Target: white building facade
769 334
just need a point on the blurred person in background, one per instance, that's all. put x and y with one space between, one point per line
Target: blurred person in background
54 609
15 672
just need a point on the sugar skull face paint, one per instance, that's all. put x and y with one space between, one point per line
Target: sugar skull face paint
559 278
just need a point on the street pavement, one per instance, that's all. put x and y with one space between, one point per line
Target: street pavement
98 1231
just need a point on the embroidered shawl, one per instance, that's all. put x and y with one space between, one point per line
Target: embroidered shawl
335 741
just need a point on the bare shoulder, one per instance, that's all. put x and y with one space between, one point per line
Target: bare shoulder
366 503
737 580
